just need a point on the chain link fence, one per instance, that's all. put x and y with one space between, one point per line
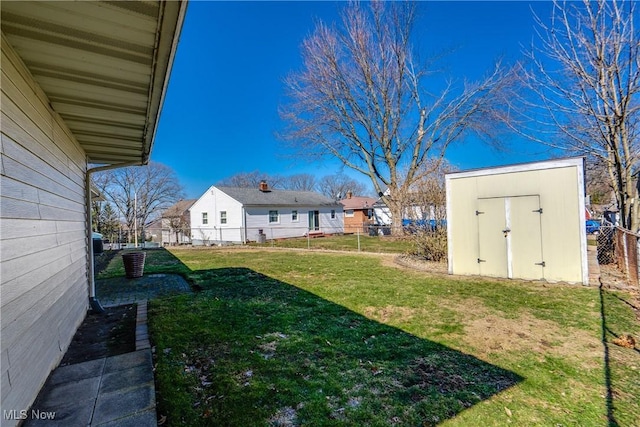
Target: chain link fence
618 248
368 238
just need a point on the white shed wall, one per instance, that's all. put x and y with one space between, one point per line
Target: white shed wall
559 185
43 242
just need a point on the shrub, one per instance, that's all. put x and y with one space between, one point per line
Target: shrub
429 244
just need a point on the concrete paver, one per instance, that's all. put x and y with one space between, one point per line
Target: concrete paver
110 391
123 403
120 290
100 391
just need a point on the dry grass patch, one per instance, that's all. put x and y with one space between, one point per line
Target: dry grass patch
391 313
493 333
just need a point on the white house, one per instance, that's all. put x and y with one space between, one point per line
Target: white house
82 87
239 215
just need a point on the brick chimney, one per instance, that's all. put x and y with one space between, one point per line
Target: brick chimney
263 186
349 194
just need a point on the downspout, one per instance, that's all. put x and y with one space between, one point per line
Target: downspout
93 302
244 226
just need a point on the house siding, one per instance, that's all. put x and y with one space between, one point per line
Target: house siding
245 222
258 219
43 238
213 202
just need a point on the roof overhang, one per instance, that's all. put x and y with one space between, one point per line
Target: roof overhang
104 65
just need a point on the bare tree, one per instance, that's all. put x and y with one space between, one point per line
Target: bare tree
599 186
336 186
299 182
140 193
362 98
251 180
428 233
585 76
243 180
426 199
178 219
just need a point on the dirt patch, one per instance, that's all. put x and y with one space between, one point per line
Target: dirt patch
102 335
390 312
101 261
489 333
416 263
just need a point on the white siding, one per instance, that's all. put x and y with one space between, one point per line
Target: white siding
42 236
330 225
213 201
382 215
245 223
258 219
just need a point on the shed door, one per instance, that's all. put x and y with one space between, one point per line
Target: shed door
526 238
510 237
492 247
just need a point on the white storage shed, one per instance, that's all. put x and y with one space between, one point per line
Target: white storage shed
523 221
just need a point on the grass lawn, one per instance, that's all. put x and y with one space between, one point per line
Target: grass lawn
308 338
345 242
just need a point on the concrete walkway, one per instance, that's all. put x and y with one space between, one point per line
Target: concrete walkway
120 290
594 266
111 391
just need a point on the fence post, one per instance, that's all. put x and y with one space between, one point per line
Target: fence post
358 234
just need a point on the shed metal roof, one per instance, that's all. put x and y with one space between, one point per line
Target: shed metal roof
104 65
255 197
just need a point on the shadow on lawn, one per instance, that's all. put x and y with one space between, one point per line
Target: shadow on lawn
252 350
607 332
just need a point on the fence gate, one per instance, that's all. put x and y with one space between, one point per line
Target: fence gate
510 237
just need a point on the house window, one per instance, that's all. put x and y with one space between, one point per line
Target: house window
273 216
294 216
369 213
333 214
223 217
205 218
348 213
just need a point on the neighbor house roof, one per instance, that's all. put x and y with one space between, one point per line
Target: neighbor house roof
256 197
358 202
104 66
178 209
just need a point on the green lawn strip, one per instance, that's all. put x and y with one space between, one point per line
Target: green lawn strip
157 261
273 347
346 242
624 363
355 342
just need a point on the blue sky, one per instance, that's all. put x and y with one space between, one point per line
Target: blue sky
220 114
